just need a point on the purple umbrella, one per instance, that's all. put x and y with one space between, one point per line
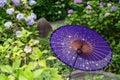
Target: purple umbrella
80 48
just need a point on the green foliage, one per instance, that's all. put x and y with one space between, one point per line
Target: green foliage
51 9
107 25
23 54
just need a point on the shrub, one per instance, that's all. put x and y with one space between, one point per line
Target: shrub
23 55
52 10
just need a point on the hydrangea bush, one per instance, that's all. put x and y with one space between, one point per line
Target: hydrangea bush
23 55
52 10
103 17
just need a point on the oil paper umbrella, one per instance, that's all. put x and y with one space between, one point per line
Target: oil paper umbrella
80 48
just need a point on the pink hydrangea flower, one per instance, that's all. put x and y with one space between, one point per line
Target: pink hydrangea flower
77 1
89 7
88 12
106 14
70 11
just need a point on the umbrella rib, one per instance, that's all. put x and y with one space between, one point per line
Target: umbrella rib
101 42
93 58
71 58
102 46
94 39
101 60
87 34
100 49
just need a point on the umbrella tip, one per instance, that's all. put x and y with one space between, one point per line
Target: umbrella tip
79 51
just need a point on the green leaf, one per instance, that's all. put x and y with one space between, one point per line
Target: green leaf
51 58
21 77
3 77
42 63
11 77
31 66
16 64
37 73
28 74
6 68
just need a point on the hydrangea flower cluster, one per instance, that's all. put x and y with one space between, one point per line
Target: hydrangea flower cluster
113 8
77 1
70 11
88 12
109 5
27 49
10 11
32 2
3 3
8 24
33 16
18 33
89 7
106 14
16 2
35 41
20 16
29 21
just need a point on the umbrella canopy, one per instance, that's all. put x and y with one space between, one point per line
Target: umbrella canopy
80 47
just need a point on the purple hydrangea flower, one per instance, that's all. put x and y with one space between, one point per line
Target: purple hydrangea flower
70 11
89 7
32 2
101 5
29 21
113 8
8 24
20 16
119 1
33 15
3 3
10 11
16 2
77 1
106 14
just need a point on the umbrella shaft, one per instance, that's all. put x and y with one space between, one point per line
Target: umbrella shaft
72 68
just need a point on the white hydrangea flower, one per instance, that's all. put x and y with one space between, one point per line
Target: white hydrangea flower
20 16
33 15
109 4
29 20
3 3
59 12
32 2
35 42
18 33
106 14
10 11
27 49
63 5
8 24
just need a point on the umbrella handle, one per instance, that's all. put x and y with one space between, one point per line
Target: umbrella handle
69 77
